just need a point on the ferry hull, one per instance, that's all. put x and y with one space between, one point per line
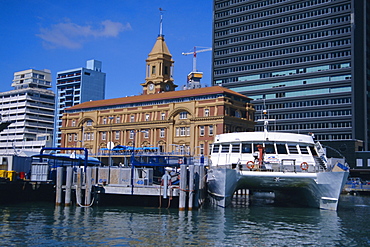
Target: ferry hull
320 190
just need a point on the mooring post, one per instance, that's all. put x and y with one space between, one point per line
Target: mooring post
183 180
191 187
196 186
88 178
78 186
58 195
94 178
202 183
67 199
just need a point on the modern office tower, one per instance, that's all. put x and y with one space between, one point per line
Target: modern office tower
306 62
30 109
75 86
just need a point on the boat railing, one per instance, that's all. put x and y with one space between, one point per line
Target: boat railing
285 165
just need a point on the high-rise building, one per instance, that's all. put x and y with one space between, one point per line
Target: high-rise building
76 86
305 62
30 109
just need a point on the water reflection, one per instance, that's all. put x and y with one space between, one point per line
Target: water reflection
256 225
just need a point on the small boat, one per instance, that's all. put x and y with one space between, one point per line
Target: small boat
292 166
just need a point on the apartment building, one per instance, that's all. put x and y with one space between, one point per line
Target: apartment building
30 109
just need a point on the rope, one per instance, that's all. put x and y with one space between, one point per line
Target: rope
160 192
186 190
169 199
79 203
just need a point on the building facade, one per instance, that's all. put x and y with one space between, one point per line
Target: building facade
169 120
180 121
30 109
76 86
304 61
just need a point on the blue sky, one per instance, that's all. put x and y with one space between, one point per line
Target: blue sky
62 35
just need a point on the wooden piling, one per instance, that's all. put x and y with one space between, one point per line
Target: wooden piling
88 174
79 186
202 184
191 187
183 180
58 195
196 186
165 178
67 199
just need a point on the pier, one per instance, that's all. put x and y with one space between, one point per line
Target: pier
357 188
161 181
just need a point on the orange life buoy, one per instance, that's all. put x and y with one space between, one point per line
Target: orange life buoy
304 166
250 166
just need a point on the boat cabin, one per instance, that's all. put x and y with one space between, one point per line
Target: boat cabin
275 152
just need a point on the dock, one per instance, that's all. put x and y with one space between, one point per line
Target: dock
357 189
72 177
158 181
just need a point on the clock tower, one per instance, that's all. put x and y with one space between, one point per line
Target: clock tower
159 68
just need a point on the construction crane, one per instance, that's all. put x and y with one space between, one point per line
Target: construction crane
194 53
194 77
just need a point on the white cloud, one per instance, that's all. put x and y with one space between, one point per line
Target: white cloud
71 35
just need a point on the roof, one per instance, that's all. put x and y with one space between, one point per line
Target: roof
261 136
157 96
160 47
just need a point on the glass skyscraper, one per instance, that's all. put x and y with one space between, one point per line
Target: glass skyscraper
76 86
306 62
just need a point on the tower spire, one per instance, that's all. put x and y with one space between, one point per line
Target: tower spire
161 22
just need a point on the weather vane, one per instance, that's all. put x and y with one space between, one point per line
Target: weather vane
160 23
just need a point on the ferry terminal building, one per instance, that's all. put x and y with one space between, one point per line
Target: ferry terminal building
184 121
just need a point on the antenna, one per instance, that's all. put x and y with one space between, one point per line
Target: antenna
161 22
265 119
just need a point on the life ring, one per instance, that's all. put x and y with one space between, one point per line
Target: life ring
304 166
250 166
180 161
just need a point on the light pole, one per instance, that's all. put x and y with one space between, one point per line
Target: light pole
110 144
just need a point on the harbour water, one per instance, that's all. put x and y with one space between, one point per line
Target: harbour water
43 224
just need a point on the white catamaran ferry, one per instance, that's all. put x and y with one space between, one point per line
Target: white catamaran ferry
290 165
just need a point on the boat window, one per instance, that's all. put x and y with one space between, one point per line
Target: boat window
246 148
235 148
269 149
225 148
281 149
313 150
216 148
304 149
292 149
255 148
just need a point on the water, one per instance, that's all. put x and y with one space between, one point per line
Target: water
42 224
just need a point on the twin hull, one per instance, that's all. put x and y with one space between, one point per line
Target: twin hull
320 190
